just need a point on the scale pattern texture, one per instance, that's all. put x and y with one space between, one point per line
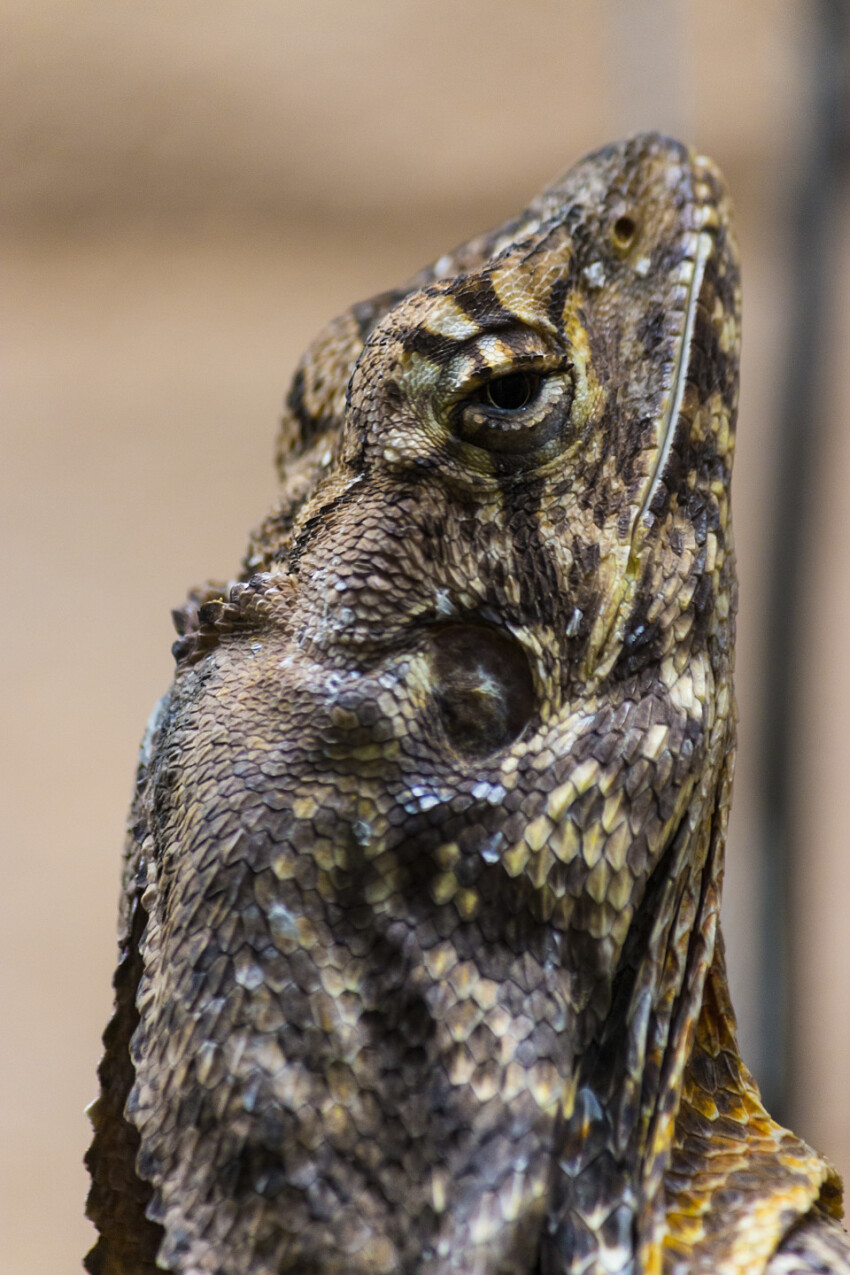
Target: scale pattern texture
419 960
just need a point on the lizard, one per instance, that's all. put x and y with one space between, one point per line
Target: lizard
419 959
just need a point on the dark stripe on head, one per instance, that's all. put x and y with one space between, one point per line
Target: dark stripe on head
476 297
433 346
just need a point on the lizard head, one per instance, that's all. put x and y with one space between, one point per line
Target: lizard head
522 463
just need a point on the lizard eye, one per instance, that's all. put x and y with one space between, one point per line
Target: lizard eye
513 392
518 414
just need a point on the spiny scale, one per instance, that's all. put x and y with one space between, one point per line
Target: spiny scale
419 958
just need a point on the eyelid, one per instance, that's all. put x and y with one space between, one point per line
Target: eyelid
543 366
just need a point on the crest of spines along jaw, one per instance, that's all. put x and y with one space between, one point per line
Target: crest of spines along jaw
210 614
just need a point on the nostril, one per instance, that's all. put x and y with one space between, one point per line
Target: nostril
624 231
484 687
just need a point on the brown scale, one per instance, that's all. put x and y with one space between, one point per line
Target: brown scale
422 883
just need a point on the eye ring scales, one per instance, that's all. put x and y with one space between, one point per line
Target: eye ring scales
522 415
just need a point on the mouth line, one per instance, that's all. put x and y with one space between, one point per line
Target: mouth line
705 244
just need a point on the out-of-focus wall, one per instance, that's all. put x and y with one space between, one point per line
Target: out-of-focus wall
188 190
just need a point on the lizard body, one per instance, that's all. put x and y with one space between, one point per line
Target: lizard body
420 968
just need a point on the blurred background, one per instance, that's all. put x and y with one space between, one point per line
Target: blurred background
188 190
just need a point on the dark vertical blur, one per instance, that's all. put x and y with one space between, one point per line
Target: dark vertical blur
813 230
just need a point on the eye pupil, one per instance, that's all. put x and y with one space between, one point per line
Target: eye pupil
511 393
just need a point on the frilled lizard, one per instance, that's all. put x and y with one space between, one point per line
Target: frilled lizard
419 959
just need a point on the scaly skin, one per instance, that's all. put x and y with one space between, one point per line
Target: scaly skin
422 884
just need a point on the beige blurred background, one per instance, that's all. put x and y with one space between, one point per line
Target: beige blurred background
188 190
